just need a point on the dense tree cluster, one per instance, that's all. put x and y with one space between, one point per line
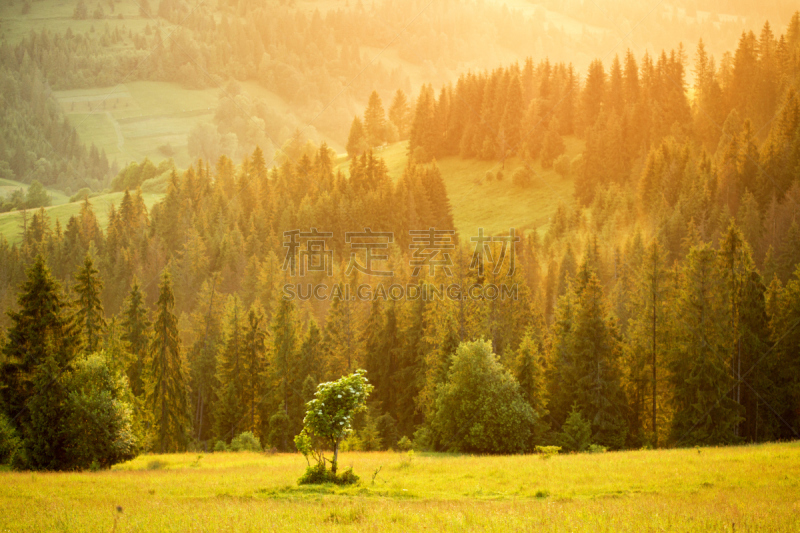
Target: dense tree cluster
36 141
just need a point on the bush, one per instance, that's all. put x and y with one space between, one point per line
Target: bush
522 177
387 430
245 442
317 474
499 175
422 440
547 451
596 448
404 444
220 446
489 175
562 165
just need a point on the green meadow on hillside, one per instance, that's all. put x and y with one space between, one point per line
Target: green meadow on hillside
494 205
149 119
749 488
11 222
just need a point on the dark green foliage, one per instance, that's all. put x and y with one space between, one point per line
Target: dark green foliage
167 397
245 442
89 316
9 441
479 409
317 474
99 423
576 433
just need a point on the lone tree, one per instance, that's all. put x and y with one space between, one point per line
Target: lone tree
329 416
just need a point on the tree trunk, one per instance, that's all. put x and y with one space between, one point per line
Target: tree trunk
335 457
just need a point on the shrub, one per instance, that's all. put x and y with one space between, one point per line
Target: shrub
547 451
317 474
499 175
562 165
404 444
522 177
387 430
489 175
245 442
422 440
99 421
220 446
596 448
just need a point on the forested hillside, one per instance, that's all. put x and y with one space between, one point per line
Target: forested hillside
658 306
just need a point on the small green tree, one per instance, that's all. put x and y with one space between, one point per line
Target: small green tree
329 416
576 434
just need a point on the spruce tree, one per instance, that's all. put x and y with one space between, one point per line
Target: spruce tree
375 120
135 333
167 396
89 310
648 340
357 140
704 412
230 398
39 352
282 369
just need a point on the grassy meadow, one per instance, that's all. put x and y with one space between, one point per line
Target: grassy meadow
149 119
749 488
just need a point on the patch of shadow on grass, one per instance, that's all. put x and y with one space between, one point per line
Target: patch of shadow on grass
240 498
156 465
346 516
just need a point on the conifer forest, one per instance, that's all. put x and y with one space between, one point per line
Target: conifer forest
410 247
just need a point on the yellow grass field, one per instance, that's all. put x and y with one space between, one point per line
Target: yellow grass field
748 488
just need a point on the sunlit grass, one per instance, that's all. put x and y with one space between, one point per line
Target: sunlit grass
752 488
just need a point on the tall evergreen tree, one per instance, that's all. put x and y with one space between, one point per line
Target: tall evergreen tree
701 379
39 352
135 333
167 398
89 316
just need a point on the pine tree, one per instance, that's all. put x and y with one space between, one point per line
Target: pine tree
701 380
41 345
167 397
648 339
530 373
374 121
399 114
229 408
135 333
284 352
357 140
89 310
